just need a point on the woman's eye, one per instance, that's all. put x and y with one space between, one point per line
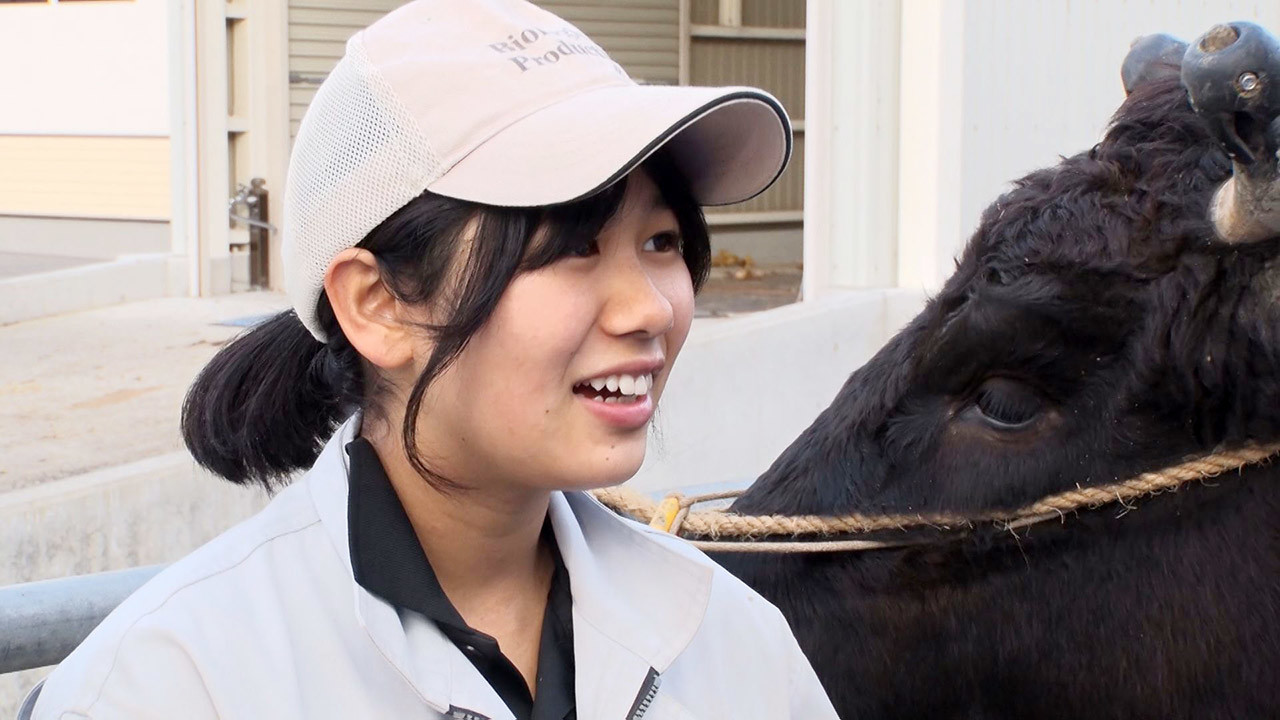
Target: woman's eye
663 242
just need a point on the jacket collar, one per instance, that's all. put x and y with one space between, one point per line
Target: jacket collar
638 600
327 483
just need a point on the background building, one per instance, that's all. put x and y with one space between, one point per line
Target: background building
135 122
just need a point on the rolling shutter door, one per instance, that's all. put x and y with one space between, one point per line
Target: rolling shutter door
642 35
318 32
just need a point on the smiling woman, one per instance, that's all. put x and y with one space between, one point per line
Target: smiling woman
492 266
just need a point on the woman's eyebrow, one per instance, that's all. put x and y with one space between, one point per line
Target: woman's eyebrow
658 202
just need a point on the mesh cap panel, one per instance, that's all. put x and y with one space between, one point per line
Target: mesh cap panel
358 158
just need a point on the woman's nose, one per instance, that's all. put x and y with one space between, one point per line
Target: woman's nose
635 303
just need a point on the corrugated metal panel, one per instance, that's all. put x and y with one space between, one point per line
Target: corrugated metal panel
773 13
755 13
99 177
318 32
776 66
642 35
704 12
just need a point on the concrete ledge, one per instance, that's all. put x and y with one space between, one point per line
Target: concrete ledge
129 278
143 513
82 237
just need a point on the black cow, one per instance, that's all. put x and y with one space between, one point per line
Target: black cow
1097 326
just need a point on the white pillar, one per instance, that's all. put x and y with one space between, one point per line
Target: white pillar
184 221
212 174
268 78
851 145
931 125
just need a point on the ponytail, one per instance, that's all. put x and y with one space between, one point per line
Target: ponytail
264 406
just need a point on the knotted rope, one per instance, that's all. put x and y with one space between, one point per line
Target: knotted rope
725 531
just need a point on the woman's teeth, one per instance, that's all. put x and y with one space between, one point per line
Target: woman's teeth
619 388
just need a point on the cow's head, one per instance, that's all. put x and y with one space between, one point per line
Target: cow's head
1097 324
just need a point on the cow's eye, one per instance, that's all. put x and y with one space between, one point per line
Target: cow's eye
1006 404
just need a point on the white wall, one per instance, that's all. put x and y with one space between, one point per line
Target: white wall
745 387
1018 84
84 68
921 112
851 145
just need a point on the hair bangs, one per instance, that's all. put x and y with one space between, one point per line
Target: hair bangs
564 230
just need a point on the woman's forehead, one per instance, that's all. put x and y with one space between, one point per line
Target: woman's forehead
642 194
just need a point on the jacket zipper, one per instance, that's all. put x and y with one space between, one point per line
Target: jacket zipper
645 698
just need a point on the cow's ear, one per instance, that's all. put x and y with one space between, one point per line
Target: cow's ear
1151 57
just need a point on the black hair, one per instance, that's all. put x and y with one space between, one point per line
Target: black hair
266 403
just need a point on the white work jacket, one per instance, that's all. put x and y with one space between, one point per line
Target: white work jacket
266 621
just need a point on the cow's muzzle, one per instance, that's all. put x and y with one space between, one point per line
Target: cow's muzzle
1232 76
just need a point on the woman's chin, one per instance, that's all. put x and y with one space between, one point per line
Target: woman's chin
611 466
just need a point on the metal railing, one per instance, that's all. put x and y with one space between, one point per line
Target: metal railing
42 622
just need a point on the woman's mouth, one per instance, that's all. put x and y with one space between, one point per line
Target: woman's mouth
624 389
621 401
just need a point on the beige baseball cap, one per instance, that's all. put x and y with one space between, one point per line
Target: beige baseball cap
498 102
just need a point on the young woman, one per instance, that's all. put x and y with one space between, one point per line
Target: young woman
492 241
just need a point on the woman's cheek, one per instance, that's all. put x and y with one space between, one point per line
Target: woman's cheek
679 292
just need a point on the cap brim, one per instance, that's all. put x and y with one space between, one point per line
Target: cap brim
731 144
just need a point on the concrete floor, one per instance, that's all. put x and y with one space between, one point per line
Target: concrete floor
93 389
724 295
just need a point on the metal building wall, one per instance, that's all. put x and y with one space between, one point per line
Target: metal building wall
318 32
84 177
767 50
84 119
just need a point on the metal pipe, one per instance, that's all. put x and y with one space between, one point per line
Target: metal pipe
42 622
250 221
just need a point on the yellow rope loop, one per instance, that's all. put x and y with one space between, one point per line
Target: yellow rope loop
665 516
679 521
675 513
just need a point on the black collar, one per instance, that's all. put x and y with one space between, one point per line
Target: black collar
388 561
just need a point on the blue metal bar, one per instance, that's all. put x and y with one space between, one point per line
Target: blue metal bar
42 622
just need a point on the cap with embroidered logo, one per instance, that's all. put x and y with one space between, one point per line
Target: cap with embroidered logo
503 103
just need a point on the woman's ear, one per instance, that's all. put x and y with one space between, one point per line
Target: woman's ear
370 316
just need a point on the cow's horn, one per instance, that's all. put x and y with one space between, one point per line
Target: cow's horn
1151 57
1232 77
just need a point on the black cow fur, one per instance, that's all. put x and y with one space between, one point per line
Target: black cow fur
1094 300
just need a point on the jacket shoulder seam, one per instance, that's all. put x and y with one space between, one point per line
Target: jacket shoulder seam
162 602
